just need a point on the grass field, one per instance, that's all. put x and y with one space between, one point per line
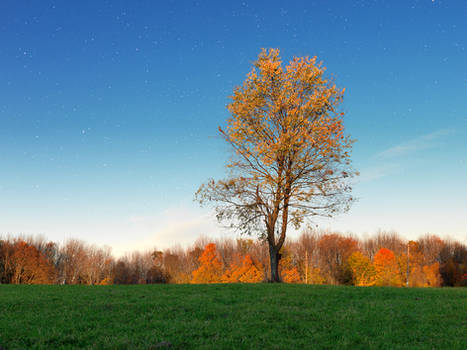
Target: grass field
262 316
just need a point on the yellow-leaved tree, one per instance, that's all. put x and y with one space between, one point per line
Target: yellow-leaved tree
363 271
292 158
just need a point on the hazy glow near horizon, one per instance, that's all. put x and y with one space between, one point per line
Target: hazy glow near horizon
109 112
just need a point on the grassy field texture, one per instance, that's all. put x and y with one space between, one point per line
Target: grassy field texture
235 316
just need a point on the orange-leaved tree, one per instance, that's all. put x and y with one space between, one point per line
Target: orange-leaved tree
421 274
292 158
30 265
246 272
291 275
288 266
432 275
210 269
386 268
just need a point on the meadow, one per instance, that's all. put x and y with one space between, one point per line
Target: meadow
231 316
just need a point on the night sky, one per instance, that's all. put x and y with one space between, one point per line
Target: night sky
109 111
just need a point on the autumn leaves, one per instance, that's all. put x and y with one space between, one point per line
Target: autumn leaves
313 258
387 269
291 156
23 263
211 269
242 269
341 260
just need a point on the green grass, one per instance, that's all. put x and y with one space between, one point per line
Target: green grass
262 316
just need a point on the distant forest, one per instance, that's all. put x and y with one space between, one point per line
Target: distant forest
315 257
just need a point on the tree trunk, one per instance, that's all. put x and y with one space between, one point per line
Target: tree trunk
274 257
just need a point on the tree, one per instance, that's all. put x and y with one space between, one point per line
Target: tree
210 269
453 264
384 239
30 266
420 273
97 265
432 275
334 251
431 246
157 273
177 265
387 270
244 270
74 254
363 271
7 250
291 160
291 275
122 272
288 265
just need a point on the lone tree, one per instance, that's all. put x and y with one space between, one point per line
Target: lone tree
291 158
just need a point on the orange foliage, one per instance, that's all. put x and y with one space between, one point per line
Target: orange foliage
106 281
291 275
414 260
432 275
386 268
316 259
288 266
246 272
292 156
210 269
30 266
420 274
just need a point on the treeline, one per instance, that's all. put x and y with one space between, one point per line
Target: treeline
316 257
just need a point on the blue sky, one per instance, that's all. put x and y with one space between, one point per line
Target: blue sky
109 111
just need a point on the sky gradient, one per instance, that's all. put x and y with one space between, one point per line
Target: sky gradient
109 111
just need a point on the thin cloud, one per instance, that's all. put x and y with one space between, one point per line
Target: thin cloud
181 224
415 145
387 162
378 171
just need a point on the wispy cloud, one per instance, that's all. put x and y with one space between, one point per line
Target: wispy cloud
414 145
377 171
388 162
181 224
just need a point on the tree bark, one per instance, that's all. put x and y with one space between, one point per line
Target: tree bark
274 257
